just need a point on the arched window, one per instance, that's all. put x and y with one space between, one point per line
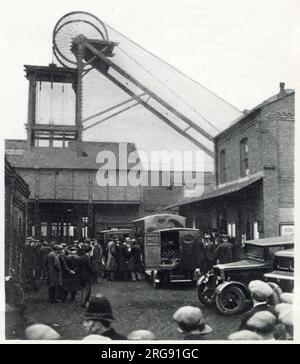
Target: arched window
223 166
244 157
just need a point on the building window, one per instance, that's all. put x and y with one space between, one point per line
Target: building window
244 155
223 166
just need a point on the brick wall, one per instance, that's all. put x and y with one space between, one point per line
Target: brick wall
231 144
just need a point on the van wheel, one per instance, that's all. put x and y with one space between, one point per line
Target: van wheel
153 279
231 300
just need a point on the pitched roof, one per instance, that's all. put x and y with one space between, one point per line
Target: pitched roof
247 113
79 155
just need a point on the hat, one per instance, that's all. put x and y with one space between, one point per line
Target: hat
41 332
96 338
72 248
260 290
127 239
287 297
141 335
282 307
263 321
286 317
191 318
244 335
57 247
99 308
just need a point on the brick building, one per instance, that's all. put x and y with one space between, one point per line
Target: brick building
16 195
253 195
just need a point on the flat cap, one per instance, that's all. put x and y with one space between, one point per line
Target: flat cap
286 317
287 297
191 317
141 335
262 320
96 338
282 307
244 335
41 332
260 290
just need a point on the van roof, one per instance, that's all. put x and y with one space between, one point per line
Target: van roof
157 215
174 229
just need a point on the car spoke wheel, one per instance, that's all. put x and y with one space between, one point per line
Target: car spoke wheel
206 295
231 300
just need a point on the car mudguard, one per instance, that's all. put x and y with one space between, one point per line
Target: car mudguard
220 288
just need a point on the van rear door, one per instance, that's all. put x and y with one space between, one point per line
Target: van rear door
152 250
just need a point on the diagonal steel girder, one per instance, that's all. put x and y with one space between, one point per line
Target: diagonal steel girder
145 89
158 114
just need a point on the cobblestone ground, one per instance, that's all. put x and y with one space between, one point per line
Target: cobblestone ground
136 305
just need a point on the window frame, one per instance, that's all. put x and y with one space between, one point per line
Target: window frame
222 167
244 157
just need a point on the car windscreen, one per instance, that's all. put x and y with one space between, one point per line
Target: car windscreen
254 252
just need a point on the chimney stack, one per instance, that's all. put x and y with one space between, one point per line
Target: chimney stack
282 89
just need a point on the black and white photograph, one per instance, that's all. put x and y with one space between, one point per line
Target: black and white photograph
149 169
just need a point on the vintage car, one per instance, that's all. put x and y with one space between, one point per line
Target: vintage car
283 270
227 284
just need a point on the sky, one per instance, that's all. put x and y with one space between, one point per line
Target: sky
238 49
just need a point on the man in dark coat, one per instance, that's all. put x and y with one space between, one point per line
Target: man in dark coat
123 259
44 251
70 274
224 251
54 274
209 251
135 260
99 318
260 293
86 274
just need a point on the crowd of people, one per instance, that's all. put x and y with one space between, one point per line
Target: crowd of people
261 322
69 268
77 266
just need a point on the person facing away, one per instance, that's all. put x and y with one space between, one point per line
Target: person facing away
260 293
191 323
71 276
99 319
224 251
86 274
135 260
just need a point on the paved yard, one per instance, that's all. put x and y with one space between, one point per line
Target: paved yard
136 305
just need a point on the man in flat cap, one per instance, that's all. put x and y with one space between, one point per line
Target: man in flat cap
41 332
141 335
244 335
191 323
263 323
286 318
260 293
224 250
